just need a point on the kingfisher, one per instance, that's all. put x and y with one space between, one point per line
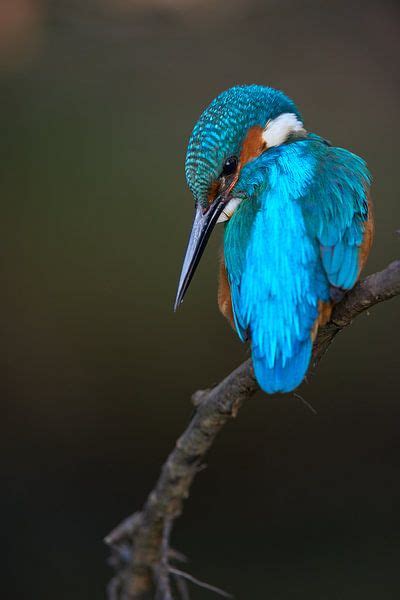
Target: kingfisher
298 225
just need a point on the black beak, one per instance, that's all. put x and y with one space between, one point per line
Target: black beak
203 225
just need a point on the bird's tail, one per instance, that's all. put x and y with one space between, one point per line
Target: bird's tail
284 375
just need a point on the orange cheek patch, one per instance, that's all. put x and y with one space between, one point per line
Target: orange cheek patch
213 191
253 145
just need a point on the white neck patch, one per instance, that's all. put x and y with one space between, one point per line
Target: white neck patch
229 210
277 130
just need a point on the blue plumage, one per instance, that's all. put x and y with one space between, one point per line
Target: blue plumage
299 198
293 241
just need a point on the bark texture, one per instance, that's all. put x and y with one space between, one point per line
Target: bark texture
141 554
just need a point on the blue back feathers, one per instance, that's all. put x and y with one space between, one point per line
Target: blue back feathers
296 234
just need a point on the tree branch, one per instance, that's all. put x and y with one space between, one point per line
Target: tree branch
140 546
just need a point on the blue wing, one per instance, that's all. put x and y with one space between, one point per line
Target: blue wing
297 234
335 210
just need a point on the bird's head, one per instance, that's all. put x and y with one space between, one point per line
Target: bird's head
238 126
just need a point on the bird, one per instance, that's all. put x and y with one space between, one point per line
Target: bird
298 225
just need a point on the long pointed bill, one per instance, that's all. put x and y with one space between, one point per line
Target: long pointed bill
203 225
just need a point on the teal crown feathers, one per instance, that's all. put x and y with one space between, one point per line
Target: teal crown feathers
222 127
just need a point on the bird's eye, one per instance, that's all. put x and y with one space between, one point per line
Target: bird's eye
230 165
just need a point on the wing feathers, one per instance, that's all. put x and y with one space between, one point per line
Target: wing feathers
295 238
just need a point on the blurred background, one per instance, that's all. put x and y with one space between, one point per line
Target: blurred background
98 101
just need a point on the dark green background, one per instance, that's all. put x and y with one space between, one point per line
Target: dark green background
98 101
